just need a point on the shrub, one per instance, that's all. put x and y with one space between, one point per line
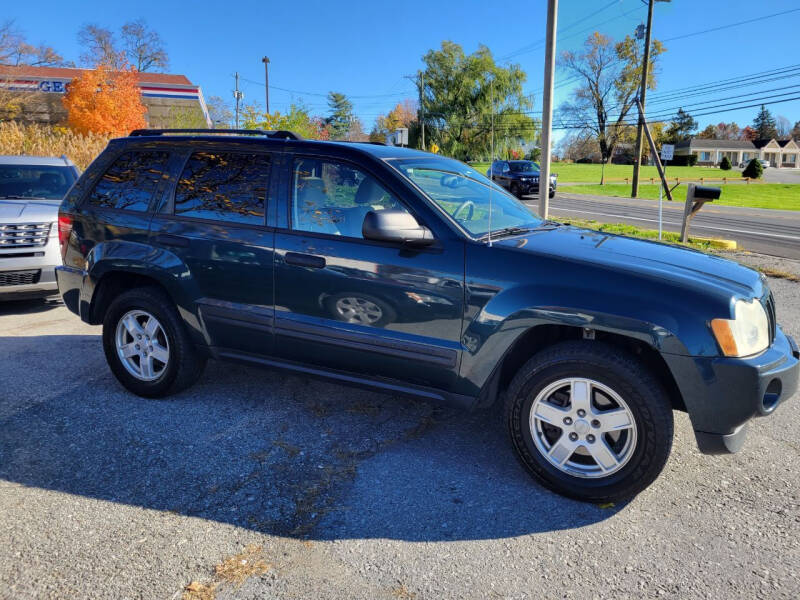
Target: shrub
584 161
684 160
44 140
725 164
753 170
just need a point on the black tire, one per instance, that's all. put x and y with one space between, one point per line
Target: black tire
552 194
387 313
185 364
515 190
625 375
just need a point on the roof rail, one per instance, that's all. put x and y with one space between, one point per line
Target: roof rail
279 135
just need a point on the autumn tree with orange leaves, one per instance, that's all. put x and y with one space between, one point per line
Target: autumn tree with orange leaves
106 102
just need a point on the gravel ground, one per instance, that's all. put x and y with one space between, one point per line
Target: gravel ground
258 484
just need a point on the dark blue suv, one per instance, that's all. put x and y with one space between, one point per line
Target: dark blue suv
520 177
413 274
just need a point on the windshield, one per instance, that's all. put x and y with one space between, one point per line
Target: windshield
466 195
35 181
523 166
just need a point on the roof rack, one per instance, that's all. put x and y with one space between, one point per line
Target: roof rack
276 135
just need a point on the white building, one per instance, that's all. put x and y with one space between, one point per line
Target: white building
779 153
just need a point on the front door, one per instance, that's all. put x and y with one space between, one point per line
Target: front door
371 308
214 223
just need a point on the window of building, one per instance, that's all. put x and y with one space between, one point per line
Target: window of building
334 198
224 186
130 182
705 156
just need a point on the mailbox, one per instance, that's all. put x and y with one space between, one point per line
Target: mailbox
706 193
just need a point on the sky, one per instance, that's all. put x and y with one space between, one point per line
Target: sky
367 48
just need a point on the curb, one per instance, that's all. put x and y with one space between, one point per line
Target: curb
716 243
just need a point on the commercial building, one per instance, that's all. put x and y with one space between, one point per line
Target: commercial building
168 98
779 153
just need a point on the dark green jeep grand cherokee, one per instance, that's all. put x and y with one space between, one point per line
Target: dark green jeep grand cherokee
414 274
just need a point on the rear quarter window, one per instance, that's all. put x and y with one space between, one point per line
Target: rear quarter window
131 181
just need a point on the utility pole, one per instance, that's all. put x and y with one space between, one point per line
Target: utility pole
547 106
237 95
265 60
492 117
637 158
422 104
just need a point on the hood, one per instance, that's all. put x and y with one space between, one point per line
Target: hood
29 211
664 262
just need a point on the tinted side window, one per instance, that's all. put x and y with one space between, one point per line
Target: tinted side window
224 186
334 198
130 181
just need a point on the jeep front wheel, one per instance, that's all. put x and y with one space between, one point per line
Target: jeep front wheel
589 421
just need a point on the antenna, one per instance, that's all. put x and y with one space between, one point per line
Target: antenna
491 164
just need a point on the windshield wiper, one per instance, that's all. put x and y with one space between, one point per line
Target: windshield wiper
504 231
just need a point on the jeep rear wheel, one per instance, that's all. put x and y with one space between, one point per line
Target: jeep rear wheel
589 421
147 346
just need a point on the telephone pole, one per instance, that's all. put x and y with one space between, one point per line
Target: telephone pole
422 105
547 107
237 95
637 157
265 60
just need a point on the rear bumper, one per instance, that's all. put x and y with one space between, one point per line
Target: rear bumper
723 394
70 286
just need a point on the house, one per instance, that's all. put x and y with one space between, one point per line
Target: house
779 153
166 96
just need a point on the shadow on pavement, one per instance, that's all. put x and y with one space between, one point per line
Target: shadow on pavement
266 451
30 306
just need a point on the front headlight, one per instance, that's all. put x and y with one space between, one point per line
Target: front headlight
747 333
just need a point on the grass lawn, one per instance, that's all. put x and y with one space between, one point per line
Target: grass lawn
574 173
668 237
784 196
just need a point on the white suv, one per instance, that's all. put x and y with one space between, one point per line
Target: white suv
31 189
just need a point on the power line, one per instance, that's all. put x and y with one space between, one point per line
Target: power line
721 27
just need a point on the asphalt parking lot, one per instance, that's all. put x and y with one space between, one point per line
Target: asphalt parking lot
258 484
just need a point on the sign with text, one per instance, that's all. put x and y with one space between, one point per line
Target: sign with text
667 151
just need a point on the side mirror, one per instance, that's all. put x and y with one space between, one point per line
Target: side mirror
395 226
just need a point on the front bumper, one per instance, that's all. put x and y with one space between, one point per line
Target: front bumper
532 187
29 272
723 394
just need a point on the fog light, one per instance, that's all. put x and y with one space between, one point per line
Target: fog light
772 395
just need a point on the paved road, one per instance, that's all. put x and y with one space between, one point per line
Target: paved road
773 232
256 484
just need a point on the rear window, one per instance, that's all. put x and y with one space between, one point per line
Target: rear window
35 181
130 182
224 186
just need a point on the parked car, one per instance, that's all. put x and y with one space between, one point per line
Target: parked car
31 189
413 274
764 163
520 177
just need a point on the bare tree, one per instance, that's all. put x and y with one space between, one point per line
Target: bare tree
609 78
16 51
100 47
143 47
784 126
220 112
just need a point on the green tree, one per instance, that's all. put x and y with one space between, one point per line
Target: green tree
460 94
341 115
709 133
764 124
795 133
681 127
753 170
298 120
609 76
725 164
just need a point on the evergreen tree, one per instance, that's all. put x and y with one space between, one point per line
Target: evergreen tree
341 115
764 124
681 128
753 170
796 131
725 164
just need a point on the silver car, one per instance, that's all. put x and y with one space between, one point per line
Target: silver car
31 189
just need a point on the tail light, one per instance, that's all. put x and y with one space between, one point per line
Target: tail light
64 231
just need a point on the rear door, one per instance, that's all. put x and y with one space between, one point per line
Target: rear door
343 302
213 220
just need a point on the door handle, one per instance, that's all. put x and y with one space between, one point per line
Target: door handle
172 240
305 260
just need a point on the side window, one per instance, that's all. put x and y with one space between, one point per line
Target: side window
224 186
333 198
130 181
